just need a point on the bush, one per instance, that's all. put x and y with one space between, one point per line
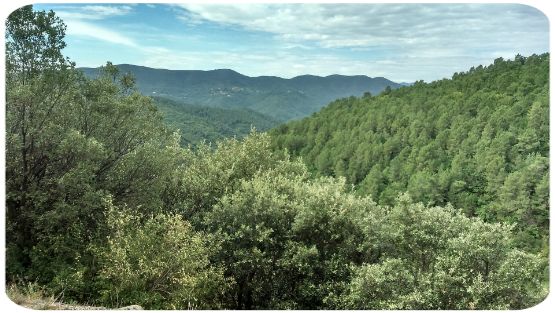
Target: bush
441 259
158 262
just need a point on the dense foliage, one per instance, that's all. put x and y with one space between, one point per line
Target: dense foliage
74 147
291 242
479 141
104 207
202 123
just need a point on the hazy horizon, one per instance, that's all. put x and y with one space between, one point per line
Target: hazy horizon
400 42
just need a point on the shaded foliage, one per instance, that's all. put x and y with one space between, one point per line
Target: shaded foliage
201 123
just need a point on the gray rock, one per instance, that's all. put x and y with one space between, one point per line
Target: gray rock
129 309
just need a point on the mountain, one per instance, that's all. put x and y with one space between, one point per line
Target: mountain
284 99
197 123
479 141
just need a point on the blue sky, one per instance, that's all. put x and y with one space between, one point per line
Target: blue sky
402 42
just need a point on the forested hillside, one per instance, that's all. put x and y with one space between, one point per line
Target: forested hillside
201 123
104 207
479 141
283 99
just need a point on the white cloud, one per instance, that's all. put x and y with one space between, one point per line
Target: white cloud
79 28
452 28
190 18
398 41
287 65
126 2
92 12
108 10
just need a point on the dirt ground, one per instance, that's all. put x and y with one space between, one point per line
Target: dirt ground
47 304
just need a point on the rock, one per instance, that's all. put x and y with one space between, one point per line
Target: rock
45 306
129 309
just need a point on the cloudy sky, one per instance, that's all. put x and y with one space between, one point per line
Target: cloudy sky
402 42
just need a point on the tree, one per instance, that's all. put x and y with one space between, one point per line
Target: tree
37 79
440 259
284 238
34 41
70 143
157 261
285 241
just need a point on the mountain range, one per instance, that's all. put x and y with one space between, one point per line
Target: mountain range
280 98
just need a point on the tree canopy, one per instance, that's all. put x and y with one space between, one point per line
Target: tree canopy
210 124
479 141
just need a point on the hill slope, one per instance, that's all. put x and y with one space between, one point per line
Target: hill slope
284 99
479 141
198 123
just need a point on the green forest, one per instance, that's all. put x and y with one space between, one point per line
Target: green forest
434 196
210 124
479 141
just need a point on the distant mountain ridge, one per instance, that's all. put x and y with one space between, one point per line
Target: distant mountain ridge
284 99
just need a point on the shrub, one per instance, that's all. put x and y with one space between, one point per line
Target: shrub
158 262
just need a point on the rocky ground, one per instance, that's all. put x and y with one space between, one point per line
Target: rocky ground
47 304
32 297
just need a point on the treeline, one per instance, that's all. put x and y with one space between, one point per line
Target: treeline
479 141
202 123
104 207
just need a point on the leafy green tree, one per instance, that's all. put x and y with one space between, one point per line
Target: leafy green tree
70 143
284 239
30 99
441 259
34 41
373 183
158 262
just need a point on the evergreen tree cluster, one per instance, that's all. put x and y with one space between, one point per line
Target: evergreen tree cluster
210 124
479 141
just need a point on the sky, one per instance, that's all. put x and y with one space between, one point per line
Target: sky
402 42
